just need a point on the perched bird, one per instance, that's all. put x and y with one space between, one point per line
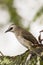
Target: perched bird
24 37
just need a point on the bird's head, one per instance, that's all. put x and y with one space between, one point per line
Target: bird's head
12 28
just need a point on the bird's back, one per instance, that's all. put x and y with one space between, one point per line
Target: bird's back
28 36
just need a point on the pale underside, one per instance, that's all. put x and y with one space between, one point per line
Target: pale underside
25 42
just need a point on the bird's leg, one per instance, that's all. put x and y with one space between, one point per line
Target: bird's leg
39 38
1 53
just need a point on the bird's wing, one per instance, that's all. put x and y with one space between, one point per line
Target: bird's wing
28 36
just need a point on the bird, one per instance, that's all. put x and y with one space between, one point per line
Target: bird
24 37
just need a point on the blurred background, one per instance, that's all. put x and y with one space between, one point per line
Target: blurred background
25 13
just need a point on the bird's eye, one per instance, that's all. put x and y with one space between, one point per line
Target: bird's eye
11 28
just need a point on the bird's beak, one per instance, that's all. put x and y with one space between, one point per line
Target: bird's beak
7 30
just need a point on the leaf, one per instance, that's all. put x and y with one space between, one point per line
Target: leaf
17 60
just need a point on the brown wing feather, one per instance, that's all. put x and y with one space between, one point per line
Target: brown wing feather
28 36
